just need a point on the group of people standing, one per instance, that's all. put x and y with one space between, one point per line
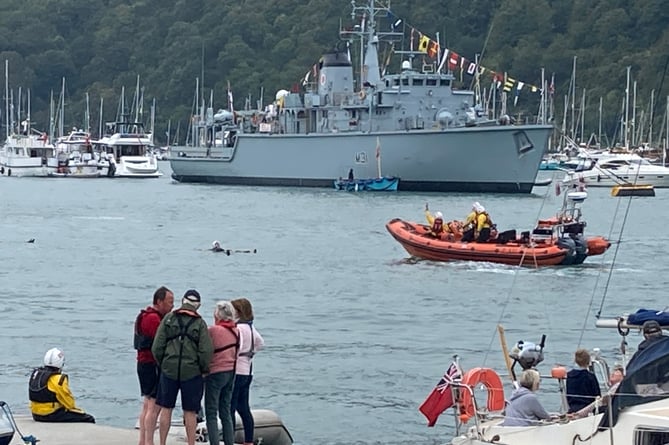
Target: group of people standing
177 352
477 226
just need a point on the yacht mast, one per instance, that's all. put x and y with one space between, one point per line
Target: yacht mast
7 97
627 109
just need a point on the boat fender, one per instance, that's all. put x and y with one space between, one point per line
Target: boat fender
362 95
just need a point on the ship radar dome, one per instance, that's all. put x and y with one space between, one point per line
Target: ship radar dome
406 65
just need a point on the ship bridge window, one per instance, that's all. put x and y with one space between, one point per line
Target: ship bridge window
405 82
432 82
445 82
418 82
396 82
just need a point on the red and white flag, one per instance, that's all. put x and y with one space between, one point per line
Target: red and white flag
441 397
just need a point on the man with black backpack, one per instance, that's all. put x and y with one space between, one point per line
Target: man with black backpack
183 350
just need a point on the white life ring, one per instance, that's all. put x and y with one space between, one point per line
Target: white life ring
322 79
362 94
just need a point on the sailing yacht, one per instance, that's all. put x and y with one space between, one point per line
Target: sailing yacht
635 411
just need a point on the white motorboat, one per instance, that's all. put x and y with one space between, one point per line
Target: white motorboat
127 150
76 157
611 169
28 154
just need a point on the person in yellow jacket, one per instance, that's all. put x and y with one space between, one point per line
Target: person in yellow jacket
470 223
436 222
50 397
483 225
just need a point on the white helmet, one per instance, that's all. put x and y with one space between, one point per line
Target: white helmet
54 357
438 215
215 244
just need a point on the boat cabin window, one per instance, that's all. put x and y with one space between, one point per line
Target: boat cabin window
445 82
405 82
645 436
418 82
396 82
431 82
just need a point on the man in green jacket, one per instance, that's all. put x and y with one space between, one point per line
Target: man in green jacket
183 349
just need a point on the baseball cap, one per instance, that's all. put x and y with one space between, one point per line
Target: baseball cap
651 327
192 296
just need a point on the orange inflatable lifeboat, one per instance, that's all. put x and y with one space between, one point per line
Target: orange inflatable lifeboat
553 241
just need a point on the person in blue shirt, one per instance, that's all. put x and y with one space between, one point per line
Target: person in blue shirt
582 384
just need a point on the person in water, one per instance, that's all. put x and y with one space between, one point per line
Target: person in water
216 247
50 397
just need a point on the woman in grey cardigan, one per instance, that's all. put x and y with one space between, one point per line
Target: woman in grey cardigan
524 408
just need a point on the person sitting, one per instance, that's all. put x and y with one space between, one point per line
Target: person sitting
652 332
524 408
582 384
469 225
617 376
50 397
436 222
483 224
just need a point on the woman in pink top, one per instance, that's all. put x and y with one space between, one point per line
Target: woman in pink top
250 342
221 378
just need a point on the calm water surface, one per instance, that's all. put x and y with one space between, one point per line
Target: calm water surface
356 335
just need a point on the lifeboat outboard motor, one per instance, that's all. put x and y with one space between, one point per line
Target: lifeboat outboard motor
569 245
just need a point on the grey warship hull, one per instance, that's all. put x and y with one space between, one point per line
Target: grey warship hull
502 159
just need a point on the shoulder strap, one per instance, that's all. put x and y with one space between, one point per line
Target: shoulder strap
231 345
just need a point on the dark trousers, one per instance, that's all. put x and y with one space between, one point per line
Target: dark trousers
484 235
240 404
468 235
62 415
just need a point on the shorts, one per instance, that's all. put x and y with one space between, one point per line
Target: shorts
148 374
191 392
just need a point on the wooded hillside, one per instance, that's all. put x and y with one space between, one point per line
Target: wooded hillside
101 45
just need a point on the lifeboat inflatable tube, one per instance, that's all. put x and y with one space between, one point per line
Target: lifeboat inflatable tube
493 383
268 429
597 245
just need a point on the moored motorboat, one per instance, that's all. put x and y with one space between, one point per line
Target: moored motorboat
553 241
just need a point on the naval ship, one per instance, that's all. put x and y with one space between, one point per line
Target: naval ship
429 134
